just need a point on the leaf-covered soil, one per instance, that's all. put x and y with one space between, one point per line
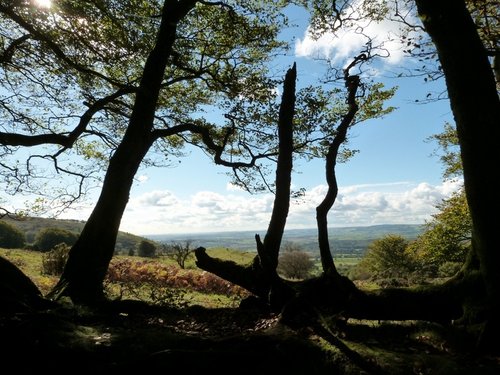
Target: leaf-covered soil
137 338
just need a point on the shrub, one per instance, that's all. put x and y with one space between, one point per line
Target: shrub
387 258
294 263
146 249
448 269
48 238
163 284
54 260
11 237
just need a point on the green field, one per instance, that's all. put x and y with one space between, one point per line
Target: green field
30 262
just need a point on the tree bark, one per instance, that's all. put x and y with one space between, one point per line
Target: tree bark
89 258
475 104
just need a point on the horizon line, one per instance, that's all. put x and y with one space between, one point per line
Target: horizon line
264 230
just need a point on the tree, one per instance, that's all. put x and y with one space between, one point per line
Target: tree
261 277
215 67
447 237
230 79
475 104
452 30
146 249
179 252
48 238
11 237
388 258
200 71
294 263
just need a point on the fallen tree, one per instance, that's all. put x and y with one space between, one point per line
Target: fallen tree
462 299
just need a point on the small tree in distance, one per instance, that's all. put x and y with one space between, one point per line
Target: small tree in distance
10 236
48 238
146 249
388 258
179 252
294 263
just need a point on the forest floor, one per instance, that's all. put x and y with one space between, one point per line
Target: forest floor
138 338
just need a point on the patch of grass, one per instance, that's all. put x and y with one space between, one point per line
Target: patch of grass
240 257
224 253
30 262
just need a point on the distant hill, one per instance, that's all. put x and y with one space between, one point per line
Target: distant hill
32 225
344 240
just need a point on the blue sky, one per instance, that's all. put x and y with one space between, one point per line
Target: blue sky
393 179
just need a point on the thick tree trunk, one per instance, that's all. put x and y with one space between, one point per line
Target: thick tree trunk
89 258
476 109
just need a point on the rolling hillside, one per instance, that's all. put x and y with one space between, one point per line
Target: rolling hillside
32 225
345 240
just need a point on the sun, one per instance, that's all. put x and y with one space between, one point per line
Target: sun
42 3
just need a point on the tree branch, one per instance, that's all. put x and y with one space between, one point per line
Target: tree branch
67 141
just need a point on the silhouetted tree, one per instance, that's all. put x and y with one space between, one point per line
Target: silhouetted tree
179 252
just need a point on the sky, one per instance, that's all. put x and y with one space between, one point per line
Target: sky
394 179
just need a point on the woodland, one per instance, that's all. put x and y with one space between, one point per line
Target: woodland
94 89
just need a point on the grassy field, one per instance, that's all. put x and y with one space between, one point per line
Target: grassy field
190 286
30 262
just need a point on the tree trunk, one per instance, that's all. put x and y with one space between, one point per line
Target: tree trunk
89 258
261 278
281 205
475 104
352 84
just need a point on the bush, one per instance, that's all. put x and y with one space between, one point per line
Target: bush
449 269
53 261
387 258
294 263
11 237
48 238
146 249
163 284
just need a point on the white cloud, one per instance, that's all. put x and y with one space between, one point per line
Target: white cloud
232 187
155 198
160 212
350 41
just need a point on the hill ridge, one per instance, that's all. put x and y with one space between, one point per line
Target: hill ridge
351 239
